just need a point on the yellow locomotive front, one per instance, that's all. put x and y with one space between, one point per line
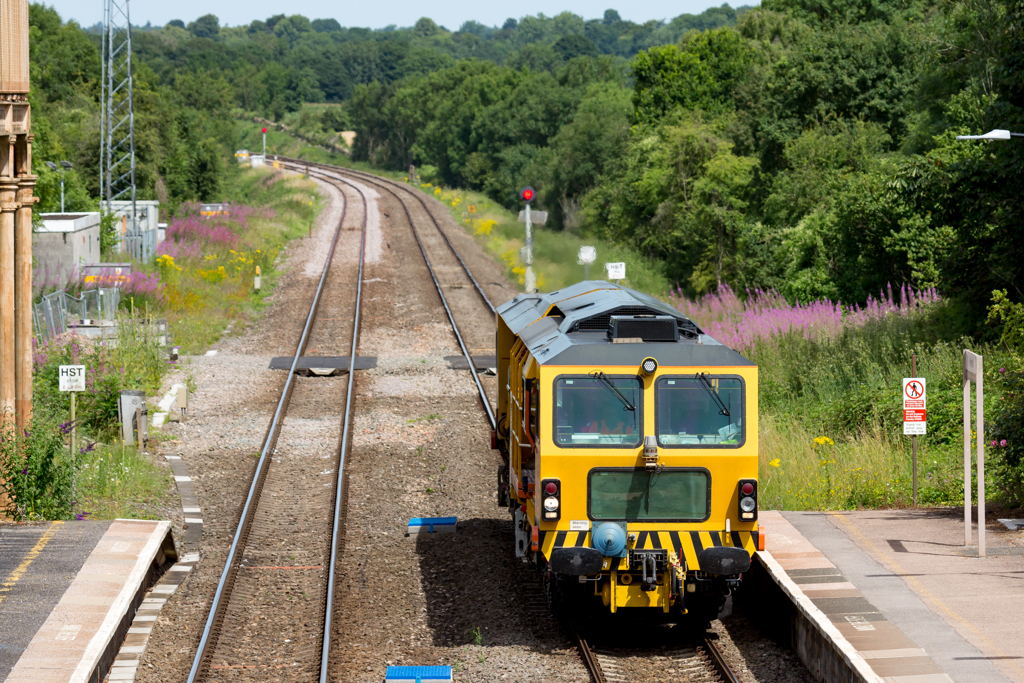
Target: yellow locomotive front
630 447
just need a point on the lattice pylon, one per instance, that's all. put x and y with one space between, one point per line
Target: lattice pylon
117 127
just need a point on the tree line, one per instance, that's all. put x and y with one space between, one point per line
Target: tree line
809 147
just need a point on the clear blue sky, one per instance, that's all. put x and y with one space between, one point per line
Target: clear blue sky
450 14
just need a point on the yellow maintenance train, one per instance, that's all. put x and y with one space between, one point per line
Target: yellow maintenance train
630 445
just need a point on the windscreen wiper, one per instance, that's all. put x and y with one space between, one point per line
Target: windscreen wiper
611 387
703 379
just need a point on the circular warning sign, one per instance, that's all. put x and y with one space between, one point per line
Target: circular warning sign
914 389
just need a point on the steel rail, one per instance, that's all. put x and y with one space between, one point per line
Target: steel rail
339 488
589 660
484 400
379 180
226 582
419 197
718 661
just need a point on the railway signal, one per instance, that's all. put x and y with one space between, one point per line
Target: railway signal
527 195
264 143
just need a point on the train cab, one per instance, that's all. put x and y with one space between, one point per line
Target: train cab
629 440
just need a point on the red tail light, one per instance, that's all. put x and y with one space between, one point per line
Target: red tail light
551 501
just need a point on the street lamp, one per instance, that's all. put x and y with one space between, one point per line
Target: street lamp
64 166
992 135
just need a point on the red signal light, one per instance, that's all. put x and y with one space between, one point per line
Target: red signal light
264 130
551 488
527 194
748 488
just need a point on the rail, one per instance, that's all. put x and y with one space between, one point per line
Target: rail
325 168
204 651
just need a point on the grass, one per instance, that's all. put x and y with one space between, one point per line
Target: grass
498 231
119 482
212 286
831 417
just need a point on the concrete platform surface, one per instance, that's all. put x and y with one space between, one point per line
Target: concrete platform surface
37 564
79 635
907 573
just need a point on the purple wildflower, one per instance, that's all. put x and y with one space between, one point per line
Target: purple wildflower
65 427
1003 443
766 314
25 471
81 516
1002 371
994 443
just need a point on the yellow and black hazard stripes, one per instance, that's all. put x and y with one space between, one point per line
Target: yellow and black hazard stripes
686 544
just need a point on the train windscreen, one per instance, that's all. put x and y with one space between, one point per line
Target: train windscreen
700 411
634 494
598 411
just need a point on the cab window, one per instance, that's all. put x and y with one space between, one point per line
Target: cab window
597 410
700 411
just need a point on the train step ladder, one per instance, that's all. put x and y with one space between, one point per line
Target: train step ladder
431 525
418 674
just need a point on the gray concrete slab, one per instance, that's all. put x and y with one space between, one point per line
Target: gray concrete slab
890 594
31 594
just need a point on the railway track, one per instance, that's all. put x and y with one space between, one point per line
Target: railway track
269 566
279 554
699 662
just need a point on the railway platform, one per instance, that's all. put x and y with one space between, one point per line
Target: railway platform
69 592
911 602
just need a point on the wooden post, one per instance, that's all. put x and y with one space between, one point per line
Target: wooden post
8 205
23 303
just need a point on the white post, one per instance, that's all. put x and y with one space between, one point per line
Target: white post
62 191
967 461
531 281
264 144
979 383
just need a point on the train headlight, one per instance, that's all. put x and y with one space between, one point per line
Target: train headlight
748 500
551 491
648 366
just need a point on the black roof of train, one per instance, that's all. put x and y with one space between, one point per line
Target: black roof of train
570 327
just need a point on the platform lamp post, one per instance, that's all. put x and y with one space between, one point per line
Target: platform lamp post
64 166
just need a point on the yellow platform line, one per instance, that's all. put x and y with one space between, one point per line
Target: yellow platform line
31 555
924 592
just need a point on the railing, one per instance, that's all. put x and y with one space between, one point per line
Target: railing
52 316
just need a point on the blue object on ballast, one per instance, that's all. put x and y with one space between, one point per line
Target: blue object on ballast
416 674
432 525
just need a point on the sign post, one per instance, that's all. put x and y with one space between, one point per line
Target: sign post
72 378
915 417
973 372
264 143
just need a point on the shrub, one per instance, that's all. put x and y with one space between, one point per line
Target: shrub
38 471
1006 440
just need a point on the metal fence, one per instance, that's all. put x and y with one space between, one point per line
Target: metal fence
58 310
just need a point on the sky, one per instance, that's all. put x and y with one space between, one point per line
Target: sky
450 14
